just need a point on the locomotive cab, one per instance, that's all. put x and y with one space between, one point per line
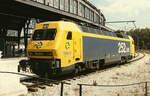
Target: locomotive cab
132 47
43 42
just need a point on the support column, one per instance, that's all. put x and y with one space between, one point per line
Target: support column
19 35
26 29
4 33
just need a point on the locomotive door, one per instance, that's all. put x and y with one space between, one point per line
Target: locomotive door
68 53
76 48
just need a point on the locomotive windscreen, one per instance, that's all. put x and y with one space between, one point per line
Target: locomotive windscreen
44 34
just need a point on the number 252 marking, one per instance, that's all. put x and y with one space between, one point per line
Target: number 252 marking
122 48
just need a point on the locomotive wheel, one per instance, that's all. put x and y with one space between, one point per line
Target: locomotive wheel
122 61
97 66
79 68
101 64
76 71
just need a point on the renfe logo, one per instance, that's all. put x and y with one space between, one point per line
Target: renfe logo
67 45
122 48
38 45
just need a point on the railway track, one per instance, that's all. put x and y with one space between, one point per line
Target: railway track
36 82
137 58
109 67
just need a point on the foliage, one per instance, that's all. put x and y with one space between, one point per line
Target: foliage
141 37
120 31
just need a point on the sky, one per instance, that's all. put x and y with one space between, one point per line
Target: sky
125 10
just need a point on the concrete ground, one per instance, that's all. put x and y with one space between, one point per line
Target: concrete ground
9 82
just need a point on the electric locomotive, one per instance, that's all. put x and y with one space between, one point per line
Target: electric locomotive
62 47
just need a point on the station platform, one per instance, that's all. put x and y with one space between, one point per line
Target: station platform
9 82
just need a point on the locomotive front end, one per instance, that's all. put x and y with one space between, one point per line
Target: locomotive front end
42 49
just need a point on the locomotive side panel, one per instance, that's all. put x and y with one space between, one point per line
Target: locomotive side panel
107 49
93 49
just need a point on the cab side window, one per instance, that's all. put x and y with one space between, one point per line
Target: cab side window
69 36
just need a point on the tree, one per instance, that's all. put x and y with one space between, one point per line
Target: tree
141 37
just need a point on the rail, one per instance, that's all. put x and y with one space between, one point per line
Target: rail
137 58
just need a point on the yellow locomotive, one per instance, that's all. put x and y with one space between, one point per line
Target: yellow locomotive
61 47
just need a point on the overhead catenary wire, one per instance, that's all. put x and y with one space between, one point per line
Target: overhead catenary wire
116 22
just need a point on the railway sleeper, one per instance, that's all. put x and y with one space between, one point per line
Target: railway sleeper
31 89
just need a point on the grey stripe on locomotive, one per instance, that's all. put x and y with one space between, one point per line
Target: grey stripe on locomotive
99 48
